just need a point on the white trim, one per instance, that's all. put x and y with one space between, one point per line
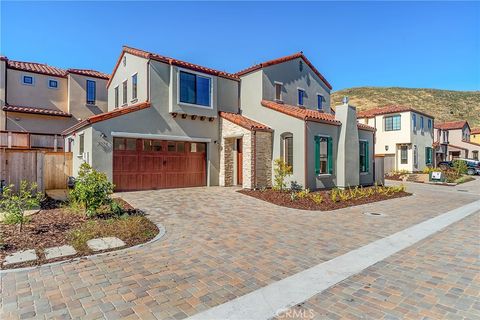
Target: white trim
303 97
323 100
201 75
281 90
27 84
158 136
134 98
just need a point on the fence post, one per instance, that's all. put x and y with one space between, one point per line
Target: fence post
9 140
55 143
40 164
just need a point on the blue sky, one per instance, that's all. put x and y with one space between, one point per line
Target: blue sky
406 44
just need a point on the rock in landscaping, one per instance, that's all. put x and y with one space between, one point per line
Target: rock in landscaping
105 243
63 251
20 256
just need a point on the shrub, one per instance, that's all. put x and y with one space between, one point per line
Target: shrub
317 198
295 186
460 166
281 171
428 170
92 190
14 204
303 194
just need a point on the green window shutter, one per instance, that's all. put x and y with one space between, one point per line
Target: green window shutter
367 160
330 155
428 155
317 155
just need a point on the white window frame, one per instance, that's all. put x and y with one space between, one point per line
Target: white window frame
281 90
116 97
201 75
134 99
48 84
327 174
323 100
367 157
303 98
124 93
27 84
81 137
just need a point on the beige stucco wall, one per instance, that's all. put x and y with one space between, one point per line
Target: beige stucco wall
2 93
37 95
455 137
38 123
87 156
77 96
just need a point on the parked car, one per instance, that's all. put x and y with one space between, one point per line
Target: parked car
473 166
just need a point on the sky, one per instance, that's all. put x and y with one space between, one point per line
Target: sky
353 44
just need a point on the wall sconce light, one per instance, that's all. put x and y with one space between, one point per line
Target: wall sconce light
103 135
386 148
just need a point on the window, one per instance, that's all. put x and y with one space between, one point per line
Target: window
278 91
475 155
28 80
301 95
392 123
414 122
125 144
197 147
134 86
152 145
404 154
286 148
116 97
415 156
124 85
320 100
323 155
428 156
52 84
91 92
421 124
81 144
364 164
429 124
195 89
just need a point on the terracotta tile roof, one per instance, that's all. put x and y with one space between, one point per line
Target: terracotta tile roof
301 113
244 121
36 68
389 109
90 73
107 115
435 144
474 143
363 126
457 147
452 125
285 59
36 110
172 61
3 58
475 130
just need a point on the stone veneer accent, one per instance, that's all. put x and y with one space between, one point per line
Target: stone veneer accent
229 133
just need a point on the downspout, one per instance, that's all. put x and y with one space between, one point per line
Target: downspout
148 80
254 160
374 142
305 153
6 91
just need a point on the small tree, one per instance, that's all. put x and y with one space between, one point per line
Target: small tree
460 166
14 204
92 190
281 171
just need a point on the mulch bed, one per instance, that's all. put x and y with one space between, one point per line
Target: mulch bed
283 199
50 228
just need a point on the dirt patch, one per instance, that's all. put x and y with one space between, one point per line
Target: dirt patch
284 199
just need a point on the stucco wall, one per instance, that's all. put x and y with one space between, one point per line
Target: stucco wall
38 123
455 138
2 93
77 96
78 158
292 77
366 178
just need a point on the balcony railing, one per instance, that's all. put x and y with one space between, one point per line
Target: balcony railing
30 140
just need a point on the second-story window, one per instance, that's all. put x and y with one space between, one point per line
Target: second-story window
301 96
52 84
134 86
414 122
124 100
320 102
116 97
421 124
429 124
195 89
91 92
278 91
392 123
28 80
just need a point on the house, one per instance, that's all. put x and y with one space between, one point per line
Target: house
40 99
453 141
475 135
172 123
404 136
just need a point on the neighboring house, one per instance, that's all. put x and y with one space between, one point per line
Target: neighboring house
453 141
171 123
475 135
404 137
38 98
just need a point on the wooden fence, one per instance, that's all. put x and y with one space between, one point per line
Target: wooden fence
48 169
29 140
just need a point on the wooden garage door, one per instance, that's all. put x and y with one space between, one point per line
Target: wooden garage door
140 164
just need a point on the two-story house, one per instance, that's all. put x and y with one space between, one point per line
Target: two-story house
453 140
404 137
475 135
171 123
38 98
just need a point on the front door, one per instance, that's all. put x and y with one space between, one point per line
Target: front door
239 162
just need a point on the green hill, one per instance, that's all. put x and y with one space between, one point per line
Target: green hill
444 105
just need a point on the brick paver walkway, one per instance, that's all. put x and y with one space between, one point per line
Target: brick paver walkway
438 278
219 245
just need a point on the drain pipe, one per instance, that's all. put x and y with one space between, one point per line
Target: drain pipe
254 160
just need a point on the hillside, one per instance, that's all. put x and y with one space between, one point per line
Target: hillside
444 105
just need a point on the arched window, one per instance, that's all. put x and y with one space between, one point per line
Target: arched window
286 148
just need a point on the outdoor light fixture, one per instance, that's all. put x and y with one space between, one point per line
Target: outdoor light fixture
386 148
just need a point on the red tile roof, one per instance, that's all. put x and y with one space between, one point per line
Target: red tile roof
90 73
456 147
301 113
285 59
363 126
388 109
107 115
36 68
36 110
244 121
171 61
452 125
475 130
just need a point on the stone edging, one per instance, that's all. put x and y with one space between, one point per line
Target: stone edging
161 233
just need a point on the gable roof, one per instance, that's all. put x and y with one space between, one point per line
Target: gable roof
90 73
302 113
35 110
244 122
389 109
363 126
451 125
282 60
153 56
107 115
475 130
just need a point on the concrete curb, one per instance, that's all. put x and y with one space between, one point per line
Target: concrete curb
161 233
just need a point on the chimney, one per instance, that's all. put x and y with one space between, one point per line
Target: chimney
348 162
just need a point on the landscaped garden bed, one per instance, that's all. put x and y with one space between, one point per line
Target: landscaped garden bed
69 226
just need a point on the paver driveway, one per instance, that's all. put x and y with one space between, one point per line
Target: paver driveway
219 245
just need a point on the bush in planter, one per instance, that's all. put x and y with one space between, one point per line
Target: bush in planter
92 190
460 166
281 171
